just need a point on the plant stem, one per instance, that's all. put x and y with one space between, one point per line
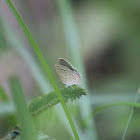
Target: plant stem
45 65
130 116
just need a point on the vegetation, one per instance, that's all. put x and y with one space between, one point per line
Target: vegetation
41 117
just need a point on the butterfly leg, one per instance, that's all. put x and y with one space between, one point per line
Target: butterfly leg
71 87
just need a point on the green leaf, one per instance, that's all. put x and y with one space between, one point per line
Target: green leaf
44 102
22 110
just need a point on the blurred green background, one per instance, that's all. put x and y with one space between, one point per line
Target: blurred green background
109 34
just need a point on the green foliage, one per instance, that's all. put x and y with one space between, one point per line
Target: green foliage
44 102
40 104
22 111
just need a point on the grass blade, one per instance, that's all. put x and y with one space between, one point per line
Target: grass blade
22 111
46 67
107 106
130 116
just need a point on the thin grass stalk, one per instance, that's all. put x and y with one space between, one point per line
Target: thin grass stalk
107 106
73 46
130 116
45 65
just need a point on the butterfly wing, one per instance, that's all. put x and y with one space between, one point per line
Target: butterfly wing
64 62
68 76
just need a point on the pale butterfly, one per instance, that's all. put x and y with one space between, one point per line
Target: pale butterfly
67 73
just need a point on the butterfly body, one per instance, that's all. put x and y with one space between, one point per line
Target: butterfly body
67 73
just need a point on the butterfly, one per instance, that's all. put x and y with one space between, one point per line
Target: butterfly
67 73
